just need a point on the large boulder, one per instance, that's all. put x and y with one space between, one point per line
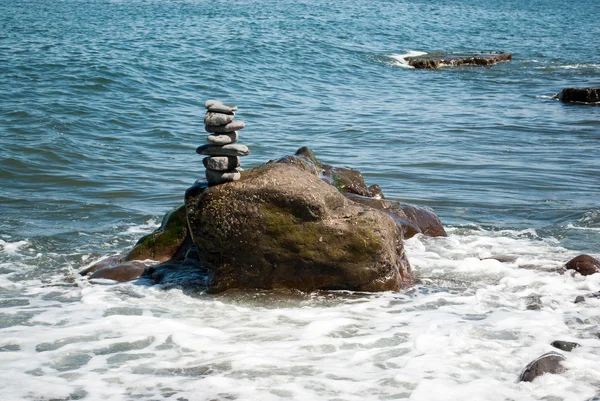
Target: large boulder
579 95
434 62
282 226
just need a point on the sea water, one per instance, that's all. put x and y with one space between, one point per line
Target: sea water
101 108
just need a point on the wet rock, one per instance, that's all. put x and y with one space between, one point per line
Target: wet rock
218 118
546 363
222 129
376 191
433 62
192 253
221 163
584 265
177 274
565 345
413 219
223 139
579 95
167 242
107 262
533 302
121 273
280 226
225 150
595 398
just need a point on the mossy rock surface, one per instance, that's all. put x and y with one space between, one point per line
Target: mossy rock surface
281 226
167 241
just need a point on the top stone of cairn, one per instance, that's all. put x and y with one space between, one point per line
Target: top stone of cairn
219 107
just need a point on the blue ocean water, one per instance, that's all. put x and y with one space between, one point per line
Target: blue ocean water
101 108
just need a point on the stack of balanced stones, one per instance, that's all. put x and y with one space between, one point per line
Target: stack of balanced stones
223 161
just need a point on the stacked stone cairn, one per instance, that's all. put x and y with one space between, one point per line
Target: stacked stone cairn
223 161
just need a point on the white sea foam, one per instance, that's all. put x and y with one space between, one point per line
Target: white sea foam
400 59
465 335
574 227
143 228
12 248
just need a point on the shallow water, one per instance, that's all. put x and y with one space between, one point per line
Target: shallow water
100 113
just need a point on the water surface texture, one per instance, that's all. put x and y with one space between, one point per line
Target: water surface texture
101 108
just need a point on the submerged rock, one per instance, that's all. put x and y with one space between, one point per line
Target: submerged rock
281 226
546 363
579 95
433 62
584 265
565 345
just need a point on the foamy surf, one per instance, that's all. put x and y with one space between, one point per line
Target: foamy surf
400 59
12 248
491 302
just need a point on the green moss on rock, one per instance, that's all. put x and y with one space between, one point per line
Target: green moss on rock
281 226
163 243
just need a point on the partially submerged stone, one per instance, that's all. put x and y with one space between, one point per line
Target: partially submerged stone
565 345
434 62
283 227
546 363
122 272
579 95
584 265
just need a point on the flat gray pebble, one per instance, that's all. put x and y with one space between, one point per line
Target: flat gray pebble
220 177
218 118
221 163
223 139
225 150
221 129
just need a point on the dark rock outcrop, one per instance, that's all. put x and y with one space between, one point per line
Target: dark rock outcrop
579 95
281 226
584 265
546 363
433 62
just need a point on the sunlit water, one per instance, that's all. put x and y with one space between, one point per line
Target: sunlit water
100 113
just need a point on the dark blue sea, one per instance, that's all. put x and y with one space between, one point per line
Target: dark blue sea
101 109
